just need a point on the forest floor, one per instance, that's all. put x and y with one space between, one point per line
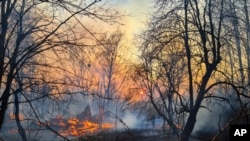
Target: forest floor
138 135
132 135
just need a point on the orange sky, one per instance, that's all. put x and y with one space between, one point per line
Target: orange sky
134 23
138 12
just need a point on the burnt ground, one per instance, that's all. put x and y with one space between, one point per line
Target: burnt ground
133 135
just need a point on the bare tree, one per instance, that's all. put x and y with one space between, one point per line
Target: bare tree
33 37
162 74
109 58
110 69
201 30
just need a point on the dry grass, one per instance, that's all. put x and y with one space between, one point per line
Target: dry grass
130 136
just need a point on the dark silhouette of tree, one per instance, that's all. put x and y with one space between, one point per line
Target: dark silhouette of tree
202 33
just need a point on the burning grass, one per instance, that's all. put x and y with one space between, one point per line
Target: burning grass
78 128
82 124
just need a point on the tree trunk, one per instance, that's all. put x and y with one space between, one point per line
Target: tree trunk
238 44
21 130
188 54
189 126
5 98
247 48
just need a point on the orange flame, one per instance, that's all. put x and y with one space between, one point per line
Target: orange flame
77 128
107 126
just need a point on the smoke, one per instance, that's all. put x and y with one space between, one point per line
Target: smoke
215 116
207 123
130 119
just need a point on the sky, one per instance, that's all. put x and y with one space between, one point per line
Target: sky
138 12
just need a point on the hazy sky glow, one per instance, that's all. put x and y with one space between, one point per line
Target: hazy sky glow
138 12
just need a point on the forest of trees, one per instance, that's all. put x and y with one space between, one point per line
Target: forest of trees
193 56
194 52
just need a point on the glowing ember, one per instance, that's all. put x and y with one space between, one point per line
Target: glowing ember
107 126
177 126
79 128
73 131
81 124
87 124
73 121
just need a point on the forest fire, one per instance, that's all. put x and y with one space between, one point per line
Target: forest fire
76 128
82 124
107 126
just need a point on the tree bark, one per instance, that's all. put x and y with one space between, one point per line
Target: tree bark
189 126
21 130
247 48
188 54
